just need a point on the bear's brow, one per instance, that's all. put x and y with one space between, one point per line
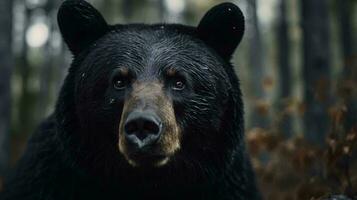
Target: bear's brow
124 71
171 71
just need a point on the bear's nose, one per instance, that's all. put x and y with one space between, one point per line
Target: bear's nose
142 128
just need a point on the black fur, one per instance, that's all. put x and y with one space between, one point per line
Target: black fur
74 153
222 28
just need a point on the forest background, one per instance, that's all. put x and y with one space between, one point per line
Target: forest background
298 69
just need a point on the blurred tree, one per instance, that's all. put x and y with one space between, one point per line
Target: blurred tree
284 67
345 12
54 62
47 64
161 8
24 72
127 9
259 116
6 65
316 68
25 98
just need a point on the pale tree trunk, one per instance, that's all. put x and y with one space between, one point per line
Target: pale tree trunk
161 9
6 66
316 69
258 116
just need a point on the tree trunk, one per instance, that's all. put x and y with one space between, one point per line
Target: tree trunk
47 66
127 9
161 9
349 79
6 65
344 11
26 102
316 69
259 115
284 69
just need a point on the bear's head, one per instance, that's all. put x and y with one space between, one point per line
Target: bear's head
152 97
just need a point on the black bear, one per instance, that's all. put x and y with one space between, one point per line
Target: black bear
145 112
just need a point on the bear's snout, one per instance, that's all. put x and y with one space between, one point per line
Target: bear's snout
142 129
149 134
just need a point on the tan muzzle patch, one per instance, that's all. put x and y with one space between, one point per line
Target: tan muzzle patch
150 96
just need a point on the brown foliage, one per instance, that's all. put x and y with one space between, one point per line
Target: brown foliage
294 169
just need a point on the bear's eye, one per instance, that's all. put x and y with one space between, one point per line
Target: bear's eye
178 85
120 83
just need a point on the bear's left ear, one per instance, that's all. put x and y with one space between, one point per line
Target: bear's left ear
222 28
80 24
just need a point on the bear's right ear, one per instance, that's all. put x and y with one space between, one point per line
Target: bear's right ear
80 24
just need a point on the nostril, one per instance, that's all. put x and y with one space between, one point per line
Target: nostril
131 127
151 127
